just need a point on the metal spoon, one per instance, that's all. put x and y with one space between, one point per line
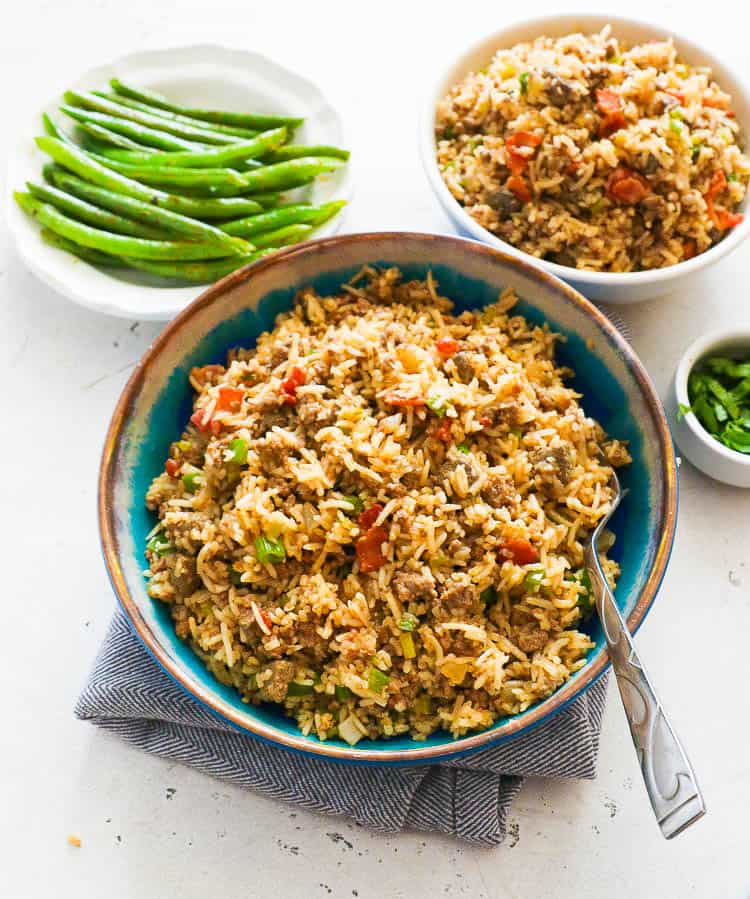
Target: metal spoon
670 781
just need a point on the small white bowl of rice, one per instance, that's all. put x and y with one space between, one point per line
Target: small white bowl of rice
607 151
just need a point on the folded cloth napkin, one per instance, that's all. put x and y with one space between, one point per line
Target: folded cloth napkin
129 694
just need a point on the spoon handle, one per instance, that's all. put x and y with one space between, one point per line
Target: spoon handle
670 781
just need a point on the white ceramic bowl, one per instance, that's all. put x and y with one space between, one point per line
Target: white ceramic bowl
207 76
695 443
613 287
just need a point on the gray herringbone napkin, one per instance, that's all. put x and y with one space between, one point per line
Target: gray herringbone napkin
129 694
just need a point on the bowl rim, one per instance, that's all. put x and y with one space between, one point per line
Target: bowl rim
693 355
108 473
582 276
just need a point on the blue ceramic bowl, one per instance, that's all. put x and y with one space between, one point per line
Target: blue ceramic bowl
157 401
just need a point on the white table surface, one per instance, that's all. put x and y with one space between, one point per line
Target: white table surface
153 829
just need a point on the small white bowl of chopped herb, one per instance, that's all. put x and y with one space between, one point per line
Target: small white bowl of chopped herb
711 405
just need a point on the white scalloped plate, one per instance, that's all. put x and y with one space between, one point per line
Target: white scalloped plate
207 76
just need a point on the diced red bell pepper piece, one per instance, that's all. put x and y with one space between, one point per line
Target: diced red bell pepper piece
444 432
172 466
609 105
519 551
229 399
368 548
519 188
201 419
368 518
289 386
626 186
447 346
517 161
395 399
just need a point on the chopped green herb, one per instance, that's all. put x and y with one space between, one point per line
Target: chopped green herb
191 481
300 688
377 680
268 550
732 176
463 448
523 80
343 693
238 448
675 125
682 411
235 577
488 595
676 113
358 506
184 446
696 151
717 389
439 405
409 622
159 545
533 580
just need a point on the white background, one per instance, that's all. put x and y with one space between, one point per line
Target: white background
61 371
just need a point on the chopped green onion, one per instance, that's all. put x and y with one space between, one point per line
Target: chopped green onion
356 503
682 411
268 550
438 561
585 596
300 688
439 405
533 580
377 680
343 693
190 481
732 176
696 151
675 125
238 448
423 704
407 646
736 437
184 446
463 448
409 622
676 113
236 577
159 545
523 80
488 595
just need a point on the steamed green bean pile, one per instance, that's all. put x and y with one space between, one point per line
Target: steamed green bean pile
186 194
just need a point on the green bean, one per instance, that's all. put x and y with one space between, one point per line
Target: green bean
117 110
141 134
90 214
117 244
300 214
246 120
80 163
215 156
282 237
104 137
93 257
50 128
226 130
292 173
200 272
266 200
295 151
218 180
